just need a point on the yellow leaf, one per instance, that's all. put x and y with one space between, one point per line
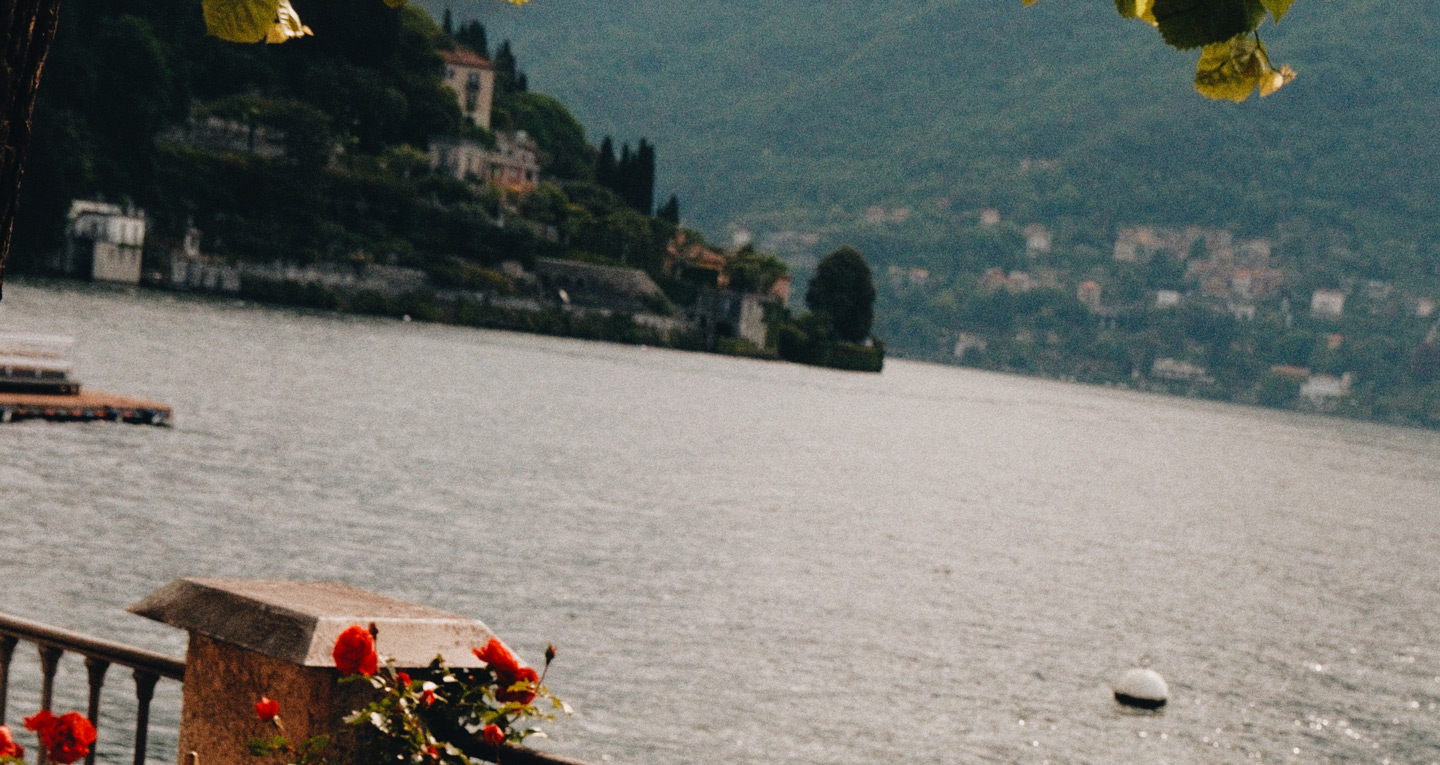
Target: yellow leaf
1137 9
1277 8
1230 70
242 21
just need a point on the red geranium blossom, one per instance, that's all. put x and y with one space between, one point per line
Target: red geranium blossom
267 709
8 747
493 735
402 681
508 671
355 652
66 738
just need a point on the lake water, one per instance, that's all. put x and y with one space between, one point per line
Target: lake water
749 562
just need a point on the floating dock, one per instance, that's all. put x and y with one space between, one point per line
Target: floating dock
85 406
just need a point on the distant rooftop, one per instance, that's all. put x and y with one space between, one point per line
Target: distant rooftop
466 57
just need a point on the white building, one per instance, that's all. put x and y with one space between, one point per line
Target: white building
1166 368
473 81
1320 388
513 164
103 242
1327 303
969 341
1037 240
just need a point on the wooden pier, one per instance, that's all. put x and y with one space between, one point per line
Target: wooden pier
85 406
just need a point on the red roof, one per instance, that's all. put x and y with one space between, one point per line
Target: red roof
466 57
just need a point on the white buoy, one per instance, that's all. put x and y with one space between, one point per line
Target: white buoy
1143 688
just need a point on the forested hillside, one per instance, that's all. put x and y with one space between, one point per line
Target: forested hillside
780 115
1041 190
335 166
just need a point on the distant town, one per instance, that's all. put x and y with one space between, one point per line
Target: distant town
1192 311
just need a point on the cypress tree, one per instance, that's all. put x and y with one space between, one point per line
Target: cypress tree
625 175
605 168
644 183
472 36
449 23
670 211
505 69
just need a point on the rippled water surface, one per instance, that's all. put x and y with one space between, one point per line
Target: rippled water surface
749 562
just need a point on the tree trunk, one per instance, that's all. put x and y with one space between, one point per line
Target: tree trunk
29 30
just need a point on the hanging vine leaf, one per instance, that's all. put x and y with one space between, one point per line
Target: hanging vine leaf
1187 24
1233 62
240 21
1135 9
1234 69
1278 8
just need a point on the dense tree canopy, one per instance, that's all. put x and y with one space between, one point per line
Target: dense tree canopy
843 289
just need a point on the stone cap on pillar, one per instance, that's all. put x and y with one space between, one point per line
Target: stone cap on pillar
298 622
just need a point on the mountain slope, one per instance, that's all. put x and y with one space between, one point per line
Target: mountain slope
775 116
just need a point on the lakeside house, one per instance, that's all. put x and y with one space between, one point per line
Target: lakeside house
1321 389
1179 371
970 341
720 313
103 242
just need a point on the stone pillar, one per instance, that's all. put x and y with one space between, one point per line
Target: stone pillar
251 638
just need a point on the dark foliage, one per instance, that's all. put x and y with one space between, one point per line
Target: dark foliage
843 290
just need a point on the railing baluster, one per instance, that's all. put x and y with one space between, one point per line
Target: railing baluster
96 669
49 663
99 655
144 692
7 650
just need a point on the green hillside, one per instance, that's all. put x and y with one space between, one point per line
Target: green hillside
894 126
779 115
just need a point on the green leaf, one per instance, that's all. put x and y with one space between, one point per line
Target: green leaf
1232 70
1277 8
241 21
1189 24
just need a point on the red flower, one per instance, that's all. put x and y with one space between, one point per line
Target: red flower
355 652
508 671
8 747
493 735
402 681
427 697
267 709
66 738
